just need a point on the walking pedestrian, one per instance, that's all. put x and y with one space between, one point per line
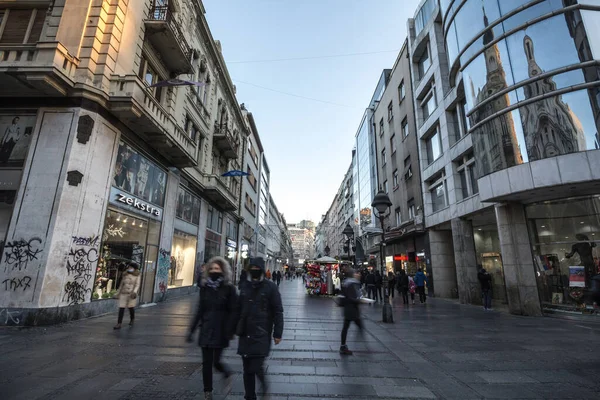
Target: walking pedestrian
243 278
412 288
420 281
352 294
261 317
391 283
370 282
485 279
378 285
127 293
403 286
268 274
277 277
217 315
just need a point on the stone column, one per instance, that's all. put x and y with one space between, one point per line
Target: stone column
55 231
166 237
469 291
442 263
517 259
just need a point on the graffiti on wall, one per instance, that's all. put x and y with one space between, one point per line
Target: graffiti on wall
19 253
10 317
162 274
81 261
12 284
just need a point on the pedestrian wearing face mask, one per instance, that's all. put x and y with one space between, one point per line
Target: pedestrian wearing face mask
217 316
127 293
261 318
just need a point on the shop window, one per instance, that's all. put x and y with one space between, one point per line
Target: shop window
183 260
126 238
15 137
188 207
136 175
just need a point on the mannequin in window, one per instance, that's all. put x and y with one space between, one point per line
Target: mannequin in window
584 249
173 270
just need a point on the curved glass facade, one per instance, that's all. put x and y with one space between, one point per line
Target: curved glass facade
532 90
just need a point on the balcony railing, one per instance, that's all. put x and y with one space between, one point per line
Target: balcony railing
46 66
225 141
164 33
133 102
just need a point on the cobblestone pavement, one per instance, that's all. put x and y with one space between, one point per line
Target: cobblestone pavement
441 350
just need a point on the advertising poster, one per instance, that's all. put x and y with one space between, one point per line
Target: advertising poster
138 176
15 137
576 276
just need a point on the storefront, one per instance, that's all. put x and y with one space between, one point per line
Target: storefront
183 266
133 223
15 137
566 256
231 252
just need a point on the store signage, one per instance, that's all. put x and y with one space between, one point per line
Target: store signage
132 203
400 257
231 243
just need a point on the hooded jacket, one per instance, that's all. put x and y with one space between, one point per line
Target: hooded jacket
217 315
420 279
261 315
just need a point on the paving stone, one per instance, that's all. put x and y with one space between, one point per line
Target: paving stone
404 392
505 377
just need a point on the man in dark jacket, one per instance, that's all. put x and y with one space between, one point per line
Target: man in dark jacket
243 278
403 286
378 285
277 277
485 280
261 317
370 283
351 292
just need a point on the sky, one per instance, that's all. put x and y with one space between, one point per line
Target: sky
308 131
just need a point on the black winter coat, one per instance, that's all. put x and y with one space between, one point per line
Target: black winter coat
403 282
261 318
370 279
217 316
485 279
351 293
378 280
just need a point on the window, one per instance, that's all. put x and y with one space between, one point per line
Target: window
390 110
231 231
393 143
251 178
401 92
404 128
424 63
188 206
150 77
214 219
398 217
396 183
434 147
22 26
383 158
429 103
464 123
190 128
407 169
381 127
437 191
411 209
385 187
466 173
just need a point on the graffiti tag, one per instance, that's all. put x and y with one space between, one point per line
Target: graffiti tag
85 241
13 316
19 253
80 265
17 283
75 292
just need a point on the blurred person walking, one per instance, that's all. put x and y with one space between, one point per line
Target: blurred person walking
352 294
217 315
127 293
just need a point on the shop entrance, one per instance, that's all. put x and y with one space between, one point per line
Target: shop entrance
127 238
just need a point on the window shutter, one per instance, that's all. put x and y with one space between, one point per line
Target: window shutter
16 26
38 25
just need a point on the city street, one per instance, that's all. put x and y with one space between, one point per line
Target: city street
439 351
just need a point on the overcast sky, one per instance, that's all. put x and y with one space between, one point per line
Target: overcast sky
308 130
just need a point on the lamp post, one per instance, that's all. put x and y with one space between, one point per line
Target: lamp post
382 203
349 233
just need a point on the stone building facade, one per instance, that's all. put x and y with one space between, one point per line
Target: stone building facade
101 163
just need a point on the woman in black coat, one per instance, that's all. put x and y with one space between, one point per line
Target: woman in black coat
217 315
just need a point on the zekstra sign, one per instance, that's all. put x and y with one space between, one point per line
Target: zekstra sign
125 200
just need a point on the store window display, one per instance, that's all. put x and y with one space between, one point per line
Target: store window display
564 236
183 260
125 238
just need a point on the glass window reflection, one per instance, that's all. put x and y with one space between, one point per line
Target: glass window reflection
473 17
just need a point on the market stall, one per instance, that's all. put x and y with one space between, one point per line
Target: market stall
323 276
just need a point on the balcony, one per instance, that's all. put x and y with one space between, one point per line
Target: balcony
218 192
42 69
134 104
225 141
162 30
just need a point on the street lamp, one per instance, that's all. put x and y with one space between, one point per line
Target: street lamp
349 233
382 204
